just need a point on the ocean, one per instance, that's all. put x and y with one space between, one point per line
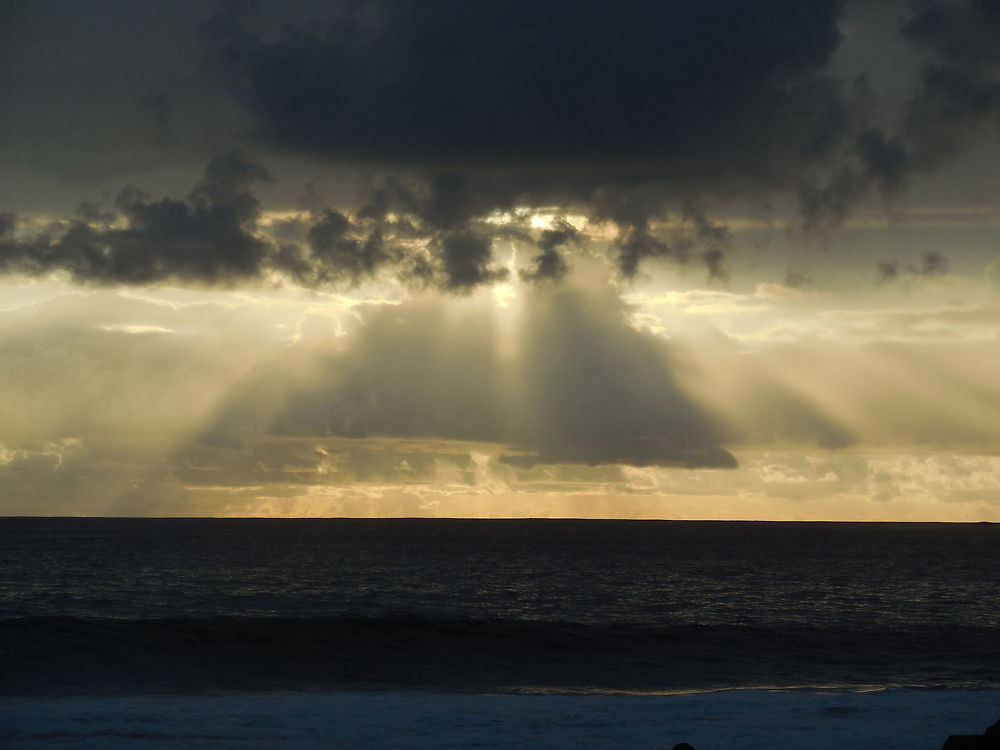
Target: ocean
124 612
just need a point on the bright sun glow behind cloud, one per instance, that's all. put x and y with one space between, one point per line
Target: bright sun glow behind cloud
191 403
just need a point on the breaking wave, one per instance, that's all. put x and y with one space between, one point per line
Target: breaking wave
69 654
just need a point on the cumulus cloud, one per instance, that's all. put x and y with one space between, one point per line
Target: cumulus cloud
206 238
215 236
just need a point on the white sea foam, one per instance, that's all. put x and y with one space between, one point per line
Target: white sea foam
737 720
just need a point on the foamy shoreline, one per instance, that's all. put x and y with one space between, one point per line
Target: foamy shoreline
728 720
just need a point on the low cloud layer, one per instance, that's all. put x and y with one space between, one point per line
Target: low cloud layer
215 236
208 238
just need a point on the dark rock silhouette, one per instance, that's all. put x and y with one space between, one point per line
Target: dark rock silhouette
682 746
989 740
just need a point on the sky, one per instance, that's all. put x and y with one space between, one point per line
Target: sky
654 259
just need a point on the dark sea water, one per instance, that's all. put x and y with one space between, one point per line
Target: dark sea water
94 605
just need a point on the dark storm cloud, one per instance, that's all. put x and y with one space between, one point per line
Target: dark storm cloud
630 114
428 234
558 82
559 103
337 251
423 235
206 238
647 115
624 113
691 236
467 261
